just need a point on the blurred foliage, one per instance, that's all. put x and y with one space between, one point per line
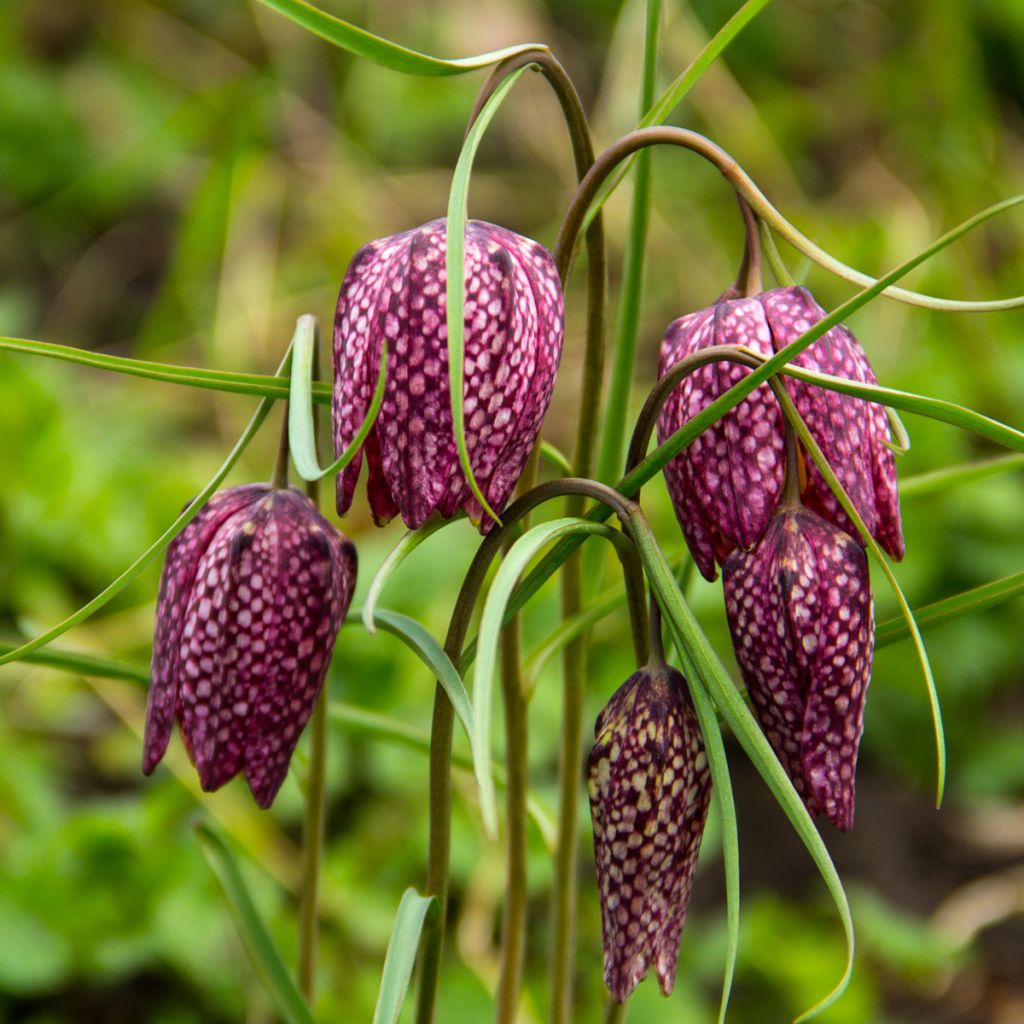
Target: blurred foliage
180 180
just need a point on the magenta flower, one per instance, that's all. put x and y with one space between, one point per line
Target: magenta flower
649 793
253 593
394 289
726 485
802 623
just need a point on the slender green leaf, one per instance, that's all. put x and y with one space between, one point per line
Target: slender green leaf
159 544
263 953
556 458
813 449
514 563
925 484
190 376
979 599
406 546
84 664
381 51
455 271
423 644
401 955
719 765
702 664
301 421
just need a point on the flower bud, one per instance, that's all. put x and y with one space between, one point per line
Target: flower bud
802 623
253 593
726 485
649 793
394 290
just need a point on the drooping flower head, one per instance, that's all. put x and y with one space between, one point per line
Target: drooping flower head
726 485
802 622
394 289
252 595
650 787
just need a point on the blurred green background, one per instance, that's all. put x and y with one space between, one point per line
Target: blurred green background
179 180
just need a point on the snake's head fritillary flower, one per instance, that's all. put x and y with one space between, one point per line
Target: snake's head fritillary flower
253 593
726 485
650 787
394 290
802 623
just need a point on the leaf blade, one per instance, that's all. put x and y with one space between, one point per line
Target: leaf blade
401 955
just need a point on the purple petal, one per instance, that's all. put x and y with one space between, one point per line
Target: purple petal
307 578
650 788
734 470
801 617
183 557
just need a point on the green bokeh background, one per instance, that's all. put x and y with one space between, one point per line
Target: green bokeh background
178 181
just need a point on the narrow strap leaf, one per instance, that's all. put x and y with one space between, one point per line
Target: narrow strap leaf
263 953
555 458
406 546
937 480
426 647
455 283
401 955
301 433
382 51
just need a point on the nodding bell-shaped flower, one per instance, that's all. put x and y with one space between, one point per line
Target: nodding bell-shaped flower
253 593
726 485
394 290
650 787
802 622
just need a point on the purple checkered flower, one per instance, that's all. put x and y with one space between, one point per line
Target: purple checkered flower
253 593
802 623
649 793
726 485
394 289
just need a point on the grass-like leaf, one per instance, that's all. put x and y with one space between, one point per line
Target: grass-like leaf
968 602
455 271
263 953
401 955
410 541
923 484
515 562
301 421
382 51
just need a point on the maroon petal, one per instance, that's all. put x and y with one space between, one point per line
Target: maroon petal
850 431
650 788
311 579
359 326
183 557
734 469
801 617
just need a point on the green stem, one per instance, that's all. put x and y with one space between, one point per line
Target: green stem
513 934
315 824
631 289
615 1012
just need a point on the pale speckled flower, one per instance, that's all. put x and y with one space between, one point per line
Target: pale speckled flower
650 787
252 595
394 289
726 485
802 622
